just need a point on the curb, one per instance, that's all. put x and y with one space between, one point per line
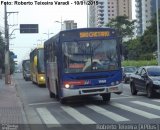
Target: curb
24 116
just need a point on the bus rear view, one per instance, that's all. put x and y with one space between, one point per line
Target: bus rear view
26 69
87 62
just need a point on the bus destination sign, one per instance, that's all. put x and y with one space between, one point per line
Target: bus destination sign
94 34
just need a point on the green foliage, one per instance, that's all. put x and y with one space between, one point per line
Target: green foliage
139 63
2 49
123 25
12 63
143 47
2 56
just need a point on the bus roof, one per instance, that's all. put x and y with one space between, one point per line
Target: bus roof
85 33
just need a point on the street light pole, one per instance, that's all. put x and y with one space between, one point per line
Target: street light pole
60 23
41 41
7 65
87 16
158 43
48 34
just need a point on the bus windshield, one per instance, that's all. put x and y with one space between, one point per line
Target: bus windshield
27 66
90 56
41 60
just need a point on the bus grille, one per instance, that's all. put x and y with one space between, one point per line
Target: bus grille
93 90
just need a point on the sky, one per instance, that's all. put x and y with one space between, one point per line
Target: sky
45 16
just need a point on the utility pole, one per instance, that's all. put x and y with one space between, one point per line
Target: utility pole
61 22
7 63
48 34
158 43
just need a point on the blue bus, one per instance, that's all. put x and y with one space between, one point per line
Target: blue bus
83 62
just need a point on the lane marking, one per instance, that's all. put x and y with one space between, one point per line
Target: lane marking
77 115
107 113
48 118
44 103
41 103
156 100
134 110
123 97
147 105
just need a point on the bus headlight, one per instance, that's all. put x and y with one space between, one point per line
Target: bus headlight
41 78
67 85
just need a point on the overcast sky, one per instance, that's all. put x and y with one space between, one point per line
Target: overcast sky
45 16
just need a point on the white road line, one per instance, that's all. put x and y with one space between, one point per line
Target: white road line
156 100
77 115
134 110
147 105
107 113
41 103
48 118
123 97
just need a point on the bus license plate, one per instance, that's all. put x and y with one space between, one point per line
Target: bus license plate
113 89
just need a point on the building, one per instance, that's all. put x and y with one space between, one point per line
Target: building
101 14
69 24
143 15
153 6
98 14
119 8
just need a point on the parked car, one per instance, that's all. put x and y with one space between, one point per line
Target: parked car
146 79
127 72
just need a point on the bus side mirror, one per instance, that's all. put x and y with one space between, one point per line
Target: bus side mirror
35 60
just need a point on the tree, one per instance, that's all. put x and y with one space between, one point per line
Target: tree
2 51
143 47
123 25
12 62
2 56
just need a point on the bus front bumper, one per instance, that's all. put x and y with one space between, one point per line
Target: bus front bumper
92 91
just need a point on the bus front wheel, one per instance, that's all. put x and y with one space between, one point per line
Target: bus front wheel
52 95
63 101
106 97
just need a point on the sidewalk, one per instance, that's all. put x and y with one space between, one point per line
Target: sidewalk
11 109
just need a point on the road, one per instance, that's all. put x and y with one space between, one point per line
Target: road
46 113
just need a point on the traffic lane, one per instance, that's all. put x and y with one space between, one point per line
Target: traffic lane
33 94
129 110
127 92
57 110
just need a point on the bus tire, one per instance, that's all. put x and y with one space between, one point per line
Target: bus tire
63 101
52 95
106 97
37 81
57 92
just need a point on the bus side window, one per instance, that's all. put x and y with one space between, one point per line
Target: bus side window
54 54
51 50
50 55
